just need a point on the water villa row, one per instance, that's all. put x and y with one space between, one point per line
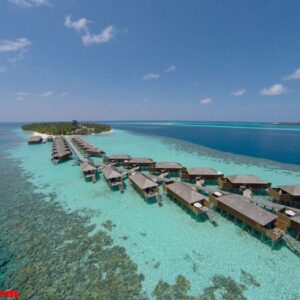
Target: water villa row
60 150
272 220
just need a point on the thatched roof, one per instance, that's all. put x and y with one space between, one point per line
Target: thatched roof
168 165
245 179
294 190
35 138
243 206
296 219
94 150
203 172
143 181
185 192
111 172
140 160
119 157
61 154
86 167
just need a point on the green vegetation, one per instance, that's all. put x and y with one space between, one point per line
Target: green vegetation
67 128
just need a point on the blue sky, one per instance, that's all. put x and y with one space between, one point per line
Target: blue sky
149 60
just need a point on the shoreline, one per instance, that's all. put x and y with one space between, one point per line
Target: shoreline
45 135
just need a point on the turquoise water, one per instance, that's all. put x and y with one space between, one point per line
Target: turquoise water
166 241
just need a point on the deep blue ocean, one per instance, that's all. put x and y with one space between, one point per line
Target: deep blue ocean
274 142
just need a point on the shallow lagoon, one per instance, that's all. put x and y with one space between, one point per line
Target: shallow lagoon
166 241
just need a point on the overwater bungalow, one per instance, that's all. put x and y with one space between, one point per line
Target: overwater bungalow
35 139
173 168
144 185
141 162
196 174
89 170
88 148
242 209
187 196
242 182
118 159
286 194
113 177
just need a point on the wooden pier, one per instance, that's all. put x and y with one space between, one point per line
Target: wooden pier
80 157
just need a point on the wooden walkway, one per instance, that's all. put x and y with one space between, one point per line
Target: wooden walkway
288 240
75 150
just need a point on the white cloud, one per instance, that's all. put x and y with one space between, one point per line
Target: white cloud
238 93
88 38
63 94
3 69
80 24
171 68
206 100
28 3
150 76
276 89
46 94
23 94
16 58
103 37
18 44
295 75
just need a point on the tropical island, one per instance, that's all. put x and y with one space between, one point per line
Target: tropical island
289 123
67 128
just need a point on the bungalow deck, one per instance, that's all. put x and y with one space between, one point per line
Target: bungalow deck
288 219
